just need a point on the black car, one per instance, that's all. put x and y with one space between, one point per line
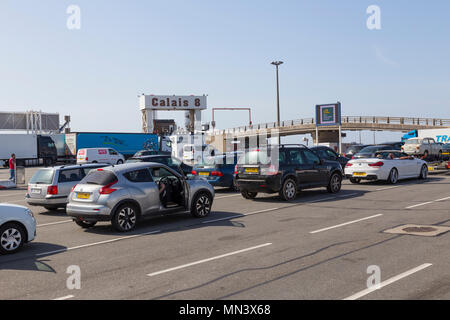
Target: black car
370 151
327 153
286 170
397 145
168 160
354 149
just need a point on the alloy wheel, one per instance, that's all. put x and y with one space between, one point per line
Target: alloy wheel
11 239
203 205
289 190
127 218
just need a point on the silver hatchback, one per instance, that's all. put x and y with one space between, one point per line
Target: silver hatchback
125 193
50 187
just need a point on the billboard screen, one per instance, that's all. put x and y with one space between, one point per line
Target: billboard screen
328 114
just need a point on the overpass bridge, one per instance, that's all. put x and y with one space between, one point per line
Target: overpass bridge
327 133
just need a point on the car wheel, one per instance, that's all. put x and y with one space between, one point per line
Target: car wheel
423 172
355 180
125 218
119 161
288 190
334 186
12 237
85 224
249 195
201 206
393 176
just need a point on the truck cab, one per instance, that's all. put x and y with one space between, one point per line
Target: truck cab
47 150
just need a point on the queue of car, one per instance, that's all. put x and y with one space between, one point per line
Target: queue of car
124 194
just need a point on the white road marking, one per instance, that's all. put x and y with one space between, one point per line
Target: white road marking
386 188
240 215
52 223
418 205
65 297
346 223
97 243
319 200
209 259
443 199
233 195
388 282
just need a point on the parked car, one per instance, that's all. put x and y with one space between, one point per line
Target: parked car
99 155
49 187
218 170
369 151
423 147
396 145
327 153
168 160
126 193
285 170
387 165
17 226
446 151
354 149
150 153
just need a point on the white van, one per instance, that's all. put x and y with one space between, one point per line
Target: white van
99 155
195 153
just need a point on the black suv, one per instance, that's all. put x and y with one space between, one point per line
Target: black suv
327 153
297 168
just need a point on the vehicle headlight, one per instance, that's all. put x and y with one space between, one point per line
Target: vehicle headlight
28 211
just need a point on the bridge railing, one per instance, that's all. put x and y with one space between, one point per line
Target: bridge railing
432 122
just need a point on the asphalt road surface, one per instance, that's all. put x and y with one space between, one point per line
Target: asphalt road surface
321 246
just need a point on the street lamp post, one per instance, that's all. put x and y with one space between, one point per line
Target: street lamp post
276 64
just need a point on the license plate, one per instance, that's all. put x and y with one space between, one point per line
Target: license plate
430 168
36 191
203 173
359 174
83 195
251 170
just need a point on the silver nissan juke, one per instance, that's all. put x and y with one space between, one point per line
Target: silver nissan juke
123 194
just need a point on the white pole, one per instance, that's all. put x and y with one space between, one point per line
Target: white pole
340 140
317 136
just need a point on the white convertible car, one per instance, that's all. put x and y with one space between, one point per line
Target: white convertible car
387 165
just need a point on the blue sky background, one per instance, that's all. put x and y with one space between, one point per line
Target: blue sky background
224 49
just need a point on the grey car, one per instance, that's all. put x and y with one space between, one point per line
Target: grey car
50 187
125 193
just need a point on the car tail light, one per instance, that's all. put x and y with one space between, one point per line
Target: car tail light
28 188
448 164
52 190
107 189
87 158
353 157
73 188
376 164
235 169
348 164
270 171
217 174
194 172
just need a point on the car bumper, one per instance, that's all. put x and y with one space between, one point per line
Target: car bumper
265 185
370 174
48 201
89 212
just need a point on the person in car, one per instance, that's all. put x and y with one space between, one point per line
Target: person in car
162 193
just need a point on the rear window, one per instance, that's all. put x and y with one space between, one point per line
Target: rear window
255 157
142 175
102 177
413 141
70 175
354 149
44 176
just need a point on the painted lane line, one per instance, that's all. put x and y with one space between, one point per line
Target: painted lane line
388 282
52 223
240 215
418 205
65 297
12 195
320 200
229 196
443 199
346 223
387 188
209 259
97 243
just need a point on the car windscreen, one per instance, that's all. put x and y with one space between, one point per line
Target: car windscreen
43 176
372 149
413 141
99 177
354 149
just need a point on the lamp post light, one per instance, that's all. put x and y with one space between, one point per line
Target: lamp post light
276 64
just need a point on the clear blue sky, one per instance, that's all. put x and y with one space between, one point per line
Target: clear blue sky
224 49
